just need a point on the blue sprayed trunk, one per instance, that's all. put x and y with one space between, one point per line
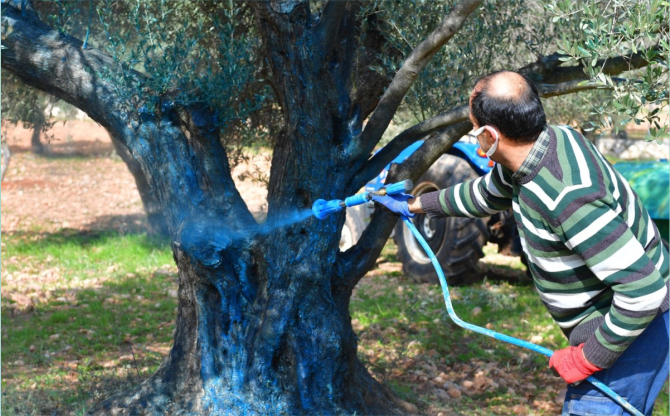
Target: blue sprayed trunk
263 325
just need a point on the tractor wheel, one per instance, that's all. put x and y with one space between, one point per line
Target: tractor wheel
456 242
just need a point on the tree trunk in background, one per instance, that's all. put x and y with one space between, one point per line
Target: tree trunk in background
36 145
155 217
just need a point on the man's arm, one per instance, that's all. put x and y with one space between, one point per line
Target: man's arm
610 250
479 197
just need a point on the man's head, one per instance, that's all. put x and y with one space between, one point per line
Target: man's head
510 103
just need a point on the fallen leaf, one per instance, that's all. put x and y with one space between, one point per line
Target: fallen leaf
455 393
520 409
408 407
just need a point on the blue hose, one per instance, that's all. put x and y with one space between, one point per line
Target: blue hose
525 344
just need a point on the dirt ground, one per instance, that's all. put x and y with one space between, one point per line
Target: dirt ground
94 190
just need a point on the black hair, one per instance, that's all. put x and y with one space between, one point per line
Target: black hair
521 118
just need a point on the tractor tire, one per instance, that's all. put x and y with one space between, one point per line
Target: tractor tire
456 242
353 227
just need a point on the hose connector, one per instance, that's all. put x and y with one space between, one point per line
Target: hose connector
395 188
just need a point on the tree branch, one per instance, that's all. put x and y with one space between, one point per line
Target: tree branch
368 84
355 262
405 77
325 32
567 87
404 139
560 81
547 69
56 64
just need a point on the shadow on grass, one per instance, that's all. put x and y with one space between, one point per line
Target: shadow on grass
509 274
81 345
78 400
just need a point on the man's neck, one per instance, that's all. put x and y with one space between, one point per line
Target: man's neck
513 156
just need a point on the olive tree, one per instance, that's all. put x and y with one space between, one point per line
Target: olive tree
263 322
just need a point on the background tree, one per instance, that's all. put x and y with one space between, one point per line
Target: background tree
263 322
31 107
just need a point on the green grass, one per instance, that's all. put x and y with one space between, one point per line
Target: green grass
108 317
105 320
85 253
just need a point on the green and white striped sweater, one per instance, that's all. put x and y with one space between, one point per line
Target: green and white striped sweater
595 255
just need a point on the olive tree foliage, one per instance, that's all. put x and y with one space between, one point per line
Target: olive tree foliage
496 37
191 51
493 38
194 53
606 31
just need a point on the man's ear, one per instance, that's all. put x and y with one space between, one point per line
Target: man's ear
492 134
488 137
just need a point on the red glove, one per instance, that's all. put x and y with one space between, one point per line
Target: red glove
571 364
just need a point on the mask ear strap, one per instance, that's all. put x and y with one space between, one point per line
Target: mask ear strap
478 131
495 134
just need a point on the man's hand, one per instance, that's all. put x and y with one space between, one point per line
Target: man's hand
571 364
396 203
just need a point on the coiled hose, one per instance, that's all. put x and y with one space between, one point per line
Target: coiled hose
506 338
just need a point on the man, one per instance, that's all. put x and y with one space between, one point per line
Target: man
596 257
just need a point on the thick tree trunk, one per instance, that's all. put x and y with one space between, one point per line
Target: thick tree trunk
263 325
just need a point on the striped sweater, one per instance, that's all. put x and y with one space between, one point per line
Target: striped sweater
596 257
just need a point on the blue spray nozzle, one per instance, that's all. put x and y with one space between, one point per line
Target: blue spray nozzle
322 208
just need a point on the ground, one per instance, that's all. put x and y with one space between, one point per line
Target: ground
88 299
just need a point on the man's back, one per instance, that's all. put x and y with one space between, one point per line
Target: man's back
593 250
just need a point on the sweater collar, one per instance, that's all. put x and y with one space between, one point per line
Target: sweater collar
532 161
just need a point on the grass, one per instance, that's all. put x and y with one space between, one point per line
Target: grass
85 253
100 321
101 310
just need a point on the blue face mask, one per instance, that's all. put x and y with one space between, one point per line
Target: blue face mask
493 148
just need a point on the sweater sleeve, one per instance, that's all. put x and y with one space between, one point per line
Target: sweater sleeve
608 247
479 197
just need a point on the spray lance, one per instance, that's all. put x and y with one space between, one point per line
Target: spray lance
322 209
